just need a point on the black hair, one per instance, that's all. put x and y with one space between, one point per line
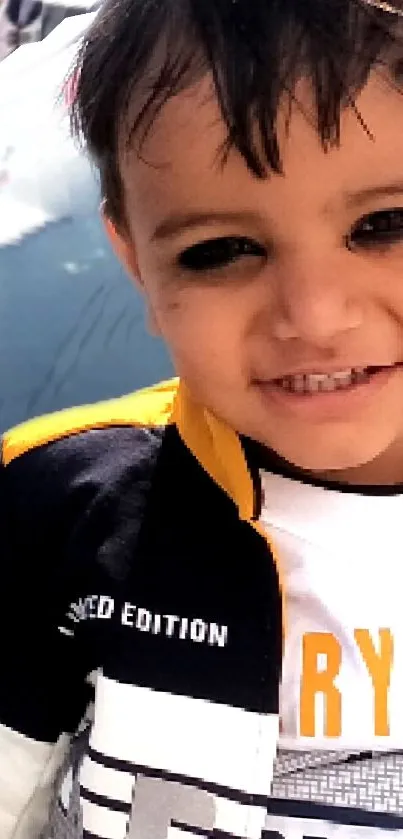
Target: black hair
139 53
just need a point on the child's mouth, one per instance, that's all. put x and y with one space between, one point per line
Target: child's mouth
313 383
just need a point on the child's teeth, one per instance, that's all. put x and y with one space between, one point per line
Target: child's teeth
298 384
328 383
360 376
317 382
343 378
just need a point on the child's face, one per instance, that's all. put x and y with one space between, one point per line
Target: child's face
288 293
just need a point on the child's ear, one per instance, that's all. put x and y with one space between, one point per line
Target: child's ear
152 323
121 244
126 253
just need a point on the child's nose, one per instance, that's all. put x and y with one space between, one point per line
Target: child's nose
316 302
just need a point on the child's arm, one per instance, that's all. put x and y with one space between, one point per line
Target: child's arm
43 694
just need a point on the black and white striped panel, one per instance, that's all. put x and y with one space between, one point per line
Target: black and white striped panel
106 796
157 759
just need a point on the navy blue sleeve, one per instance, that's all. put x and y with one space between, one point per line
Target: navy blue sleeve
43 688
69 516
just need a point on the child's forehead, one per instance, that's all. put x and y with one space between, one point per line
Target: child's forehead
181 158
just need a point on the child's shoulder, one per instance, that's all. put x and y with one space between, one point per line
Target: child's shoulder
62 464
144 409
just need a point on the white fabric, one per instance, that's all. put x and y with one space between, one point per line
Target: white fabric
177 733
341 557
43 177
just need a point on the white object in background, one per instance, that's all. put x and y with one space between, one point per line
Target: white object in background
71 324
44 177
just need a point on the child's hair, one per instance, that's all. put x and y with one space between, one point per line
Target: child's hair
140 53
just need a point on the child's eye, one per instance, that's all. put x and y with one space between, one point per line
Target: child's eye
214 254
378 230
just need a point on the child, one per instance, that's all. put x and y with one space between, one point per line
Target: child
220 556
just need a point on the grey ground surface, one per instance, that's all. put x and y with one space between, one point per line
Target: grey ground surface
71 324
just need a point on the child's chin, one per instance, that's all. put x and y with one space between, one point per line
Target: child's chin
347 458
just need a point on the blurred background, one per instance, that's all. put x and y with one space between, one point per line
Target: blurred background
71 323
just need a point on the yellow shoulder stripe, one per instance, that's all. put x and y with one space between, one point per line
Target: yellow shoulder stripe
149 407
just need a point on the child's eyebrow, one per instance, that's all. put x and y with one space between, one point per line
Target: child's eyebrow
356 199
180 222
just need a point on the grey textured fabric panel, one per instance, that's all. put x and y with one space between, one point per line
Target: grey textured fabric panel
373 783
